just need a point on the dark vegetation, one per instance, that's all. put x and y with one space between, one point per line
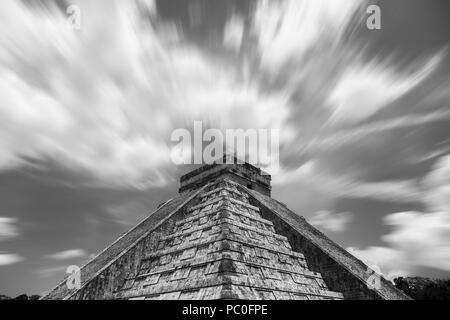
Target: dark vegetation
424 288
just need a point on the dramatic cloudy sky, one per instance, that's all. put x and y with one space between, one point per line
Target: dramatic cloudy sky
86 117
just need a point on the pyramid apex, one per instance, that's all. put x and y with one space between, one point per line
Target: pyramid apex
231 168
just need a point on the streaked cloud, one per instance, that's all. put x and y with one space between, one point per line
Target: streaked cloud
286 30
418 239
335 222
9 258
67 254
346 186
234 32
129 213
8 228
51 271
388 261
359 127
345 137
102 101
438 184
422 237
363 90
69 99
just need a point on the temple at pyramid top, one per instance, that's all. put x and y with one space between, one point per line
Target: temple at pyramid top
242 173
224 237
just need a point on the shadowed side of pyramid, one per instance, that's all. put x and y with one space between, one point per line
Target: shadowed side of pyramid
224 237
223 249
340 269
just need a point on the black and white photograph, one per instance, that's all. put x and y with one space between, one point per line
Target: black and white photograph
238 150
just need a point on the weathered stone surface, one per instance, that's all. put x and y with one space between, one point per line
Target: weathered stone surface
244 174
341 270
101 268
221 249
224 238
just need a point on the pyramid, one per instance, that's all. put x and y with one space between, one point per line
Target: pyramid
224 237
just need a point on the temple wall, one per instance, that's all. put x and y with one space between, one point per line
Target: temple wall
336 276
114 276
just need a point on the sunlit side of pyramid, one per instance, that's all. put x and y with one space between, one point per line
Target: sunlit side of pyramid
224 237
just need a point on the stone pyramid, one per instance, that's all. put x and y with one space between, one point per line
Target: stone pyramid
224 237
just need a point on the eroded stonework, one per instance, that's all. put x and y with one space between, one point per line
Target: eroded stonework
224 237
223 249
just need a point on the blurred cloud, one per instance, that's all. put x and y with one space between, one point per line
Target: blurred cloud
422 237
335 222
104 99
68 95
95 109
418 239
438 184
346 186
364 90
67 254
345 137
48 272
129 213
234 33
286 30
8 229
9 258
388 261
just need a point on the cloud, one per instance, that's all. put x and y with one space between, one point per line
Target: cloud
286 30
7 228
129 213
234 33
438 184
346 186
68 95
67 254
432 155
422 237
390 262
9 258
48 272
363 90
341 138
103 100
312 52
287 176
419 239
335 222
